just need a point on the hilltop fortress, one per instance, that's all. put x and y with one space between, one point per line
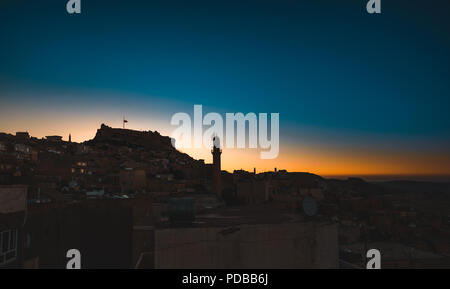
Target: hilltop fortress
133 138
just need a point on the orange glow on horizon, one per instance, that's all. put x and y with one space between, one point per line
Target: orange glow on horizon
331 162
324 160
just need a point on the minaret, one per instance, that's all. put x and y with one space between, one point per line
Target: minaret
216 152
70 138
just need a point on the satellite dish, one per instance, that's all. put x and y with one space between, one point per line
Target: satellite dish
309 206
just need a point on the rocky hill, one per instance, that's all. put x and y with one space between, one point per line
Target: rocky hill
132 138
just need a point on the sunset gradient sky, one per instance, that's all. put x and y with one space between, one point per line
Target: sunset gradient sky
357 94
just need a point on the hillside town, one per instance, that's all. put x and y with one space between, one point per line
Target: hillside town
129 199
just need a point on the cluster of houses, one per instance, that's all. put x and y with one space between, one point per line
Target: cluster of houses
131 192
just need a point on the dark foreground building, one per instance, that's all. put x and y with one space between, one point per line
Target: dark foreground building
12 218
106 232
101 231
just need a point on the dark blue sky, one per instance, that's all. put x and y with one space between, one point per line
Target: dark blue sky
326 65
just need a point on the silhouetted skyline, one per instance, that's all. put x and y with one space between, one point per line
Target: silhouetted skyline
357 93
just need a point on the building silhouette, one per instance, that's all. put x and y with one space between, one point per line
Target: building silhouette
216 152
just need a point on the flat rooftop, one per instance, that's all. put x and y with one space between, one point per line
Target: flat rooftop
248 215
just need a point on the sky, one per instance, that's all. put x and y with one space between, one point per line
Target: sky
357 93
